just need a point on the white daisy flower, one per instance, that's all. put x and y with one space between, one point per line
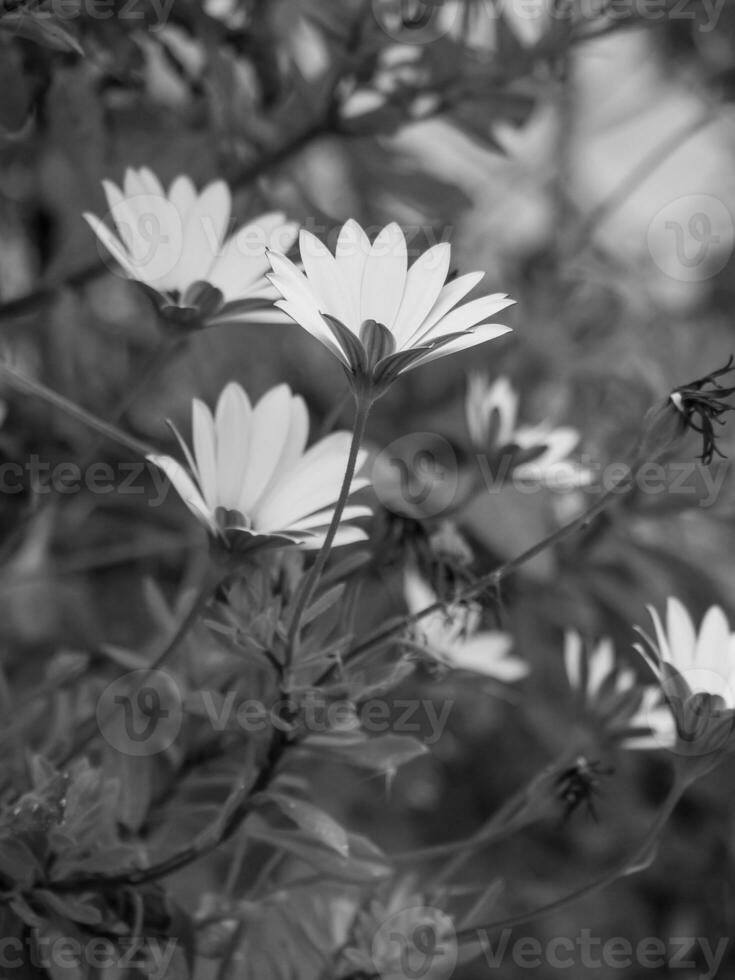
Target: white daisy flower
251 477
175 245
450 636
696 672
632 714
536 454
378 317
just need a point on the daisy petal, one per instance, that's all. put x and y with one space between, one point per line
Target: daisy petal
186 489
424 283
480 335
205 452
384 278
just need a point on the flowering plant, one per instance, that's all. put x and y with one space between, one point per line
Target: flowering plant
337 677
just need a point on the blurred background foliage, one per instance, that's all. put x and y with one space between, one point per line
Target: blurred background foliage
559 146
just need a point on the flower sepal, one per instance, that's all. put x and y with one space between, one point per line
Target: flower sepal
198 304
704 724
697 405
238 537
202 306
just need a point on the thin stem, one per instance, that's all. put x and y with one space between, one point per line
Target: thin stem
199 848
640 172
74 411
299 141
311 580
623 867
148 370
489 581
92 726
530 803
151 366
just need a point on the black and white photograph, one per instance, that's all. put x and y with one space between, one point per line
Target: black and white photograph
367 502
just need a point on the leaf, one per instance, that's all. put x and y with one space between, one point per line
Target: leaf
384 754
232 805
18 862
314 821
16 102
183 931
70 907
325 602
643 860
109 861
67 961
23 910
480 911
42 28
65 666
364 863
138 783
346 567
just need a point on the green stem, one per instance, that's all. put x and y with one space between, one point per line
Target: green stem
148 370
56 400
311 580
490 581
199 848
91 727
622 868
532 802
145 373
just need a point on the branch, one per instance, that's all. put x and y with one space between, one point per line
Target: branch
39 297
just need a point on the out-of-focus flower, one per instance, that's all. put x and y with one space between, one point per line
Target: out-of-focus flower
254 482
628 712
377 316
450 636
536 454
175 246
231 13
696 671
